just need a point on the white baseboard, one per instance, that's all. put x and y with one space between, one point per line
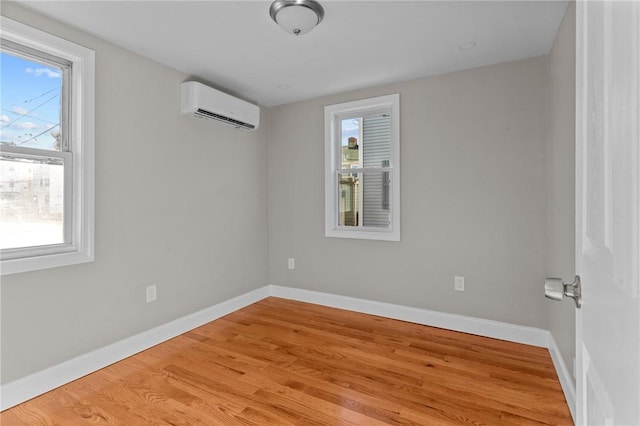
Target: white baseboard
566 380
481 327
23 389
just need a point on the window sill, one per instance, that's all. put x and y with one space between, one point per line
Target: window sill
35 263
363 234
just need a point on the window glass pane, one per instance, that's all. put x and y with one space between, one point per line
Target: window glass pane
364 199
350 199
365 141
30 102
350 148
375 199
376 134
31 202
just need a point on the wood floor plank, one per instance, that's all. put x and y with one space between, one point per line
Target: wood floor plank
281 362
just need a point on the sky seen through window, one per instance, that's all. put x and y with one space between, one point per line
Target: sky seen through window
29 102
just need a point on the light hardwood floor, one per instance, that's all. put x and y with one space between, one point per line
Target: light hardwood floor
280 362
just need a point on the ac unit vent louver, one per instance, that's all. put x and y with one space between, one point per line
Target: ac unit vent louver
206 102
238 124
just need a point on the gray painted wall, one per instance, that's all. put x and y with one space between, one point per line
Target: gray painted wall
473 197
561 180
180 203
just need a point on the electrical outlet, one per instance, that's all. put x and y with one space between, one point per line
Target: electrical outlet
292 263
151 293
458 283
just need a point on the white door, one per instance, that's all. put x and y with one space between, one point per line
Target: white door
607 212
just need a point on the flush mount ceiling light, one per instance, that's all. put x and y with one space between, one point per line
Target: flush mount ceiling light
296 17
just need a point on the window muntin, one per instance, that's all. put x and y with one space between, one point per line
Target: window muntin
362 169
46 150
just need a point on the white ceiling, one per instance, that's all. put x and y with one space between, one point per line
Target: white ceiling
236 47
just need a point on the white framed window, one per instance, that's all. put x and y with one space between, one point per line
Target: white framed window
362 169
46 150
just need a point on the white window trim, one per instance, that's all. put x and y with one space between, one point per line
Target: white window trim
332 157
81 136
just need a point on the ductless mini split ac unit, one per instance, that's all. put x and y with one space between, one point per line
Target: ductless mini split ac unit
206 102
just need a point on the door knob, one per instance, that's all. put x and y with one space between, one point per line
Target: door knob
555 289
